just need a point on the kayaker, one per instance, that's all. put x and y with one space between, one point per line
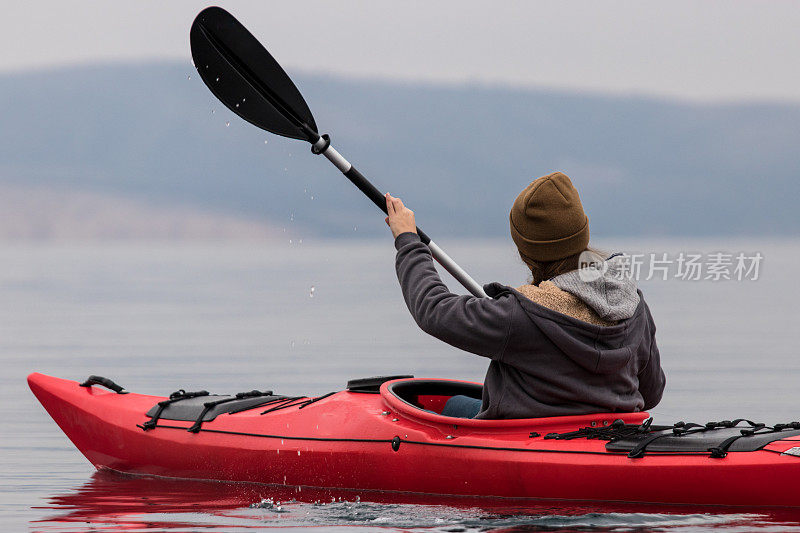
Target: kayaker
572 341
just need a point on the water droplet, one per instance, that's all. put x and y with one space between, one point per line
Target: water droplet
355 228
290 241
189 77
213 111
244 99
300 241
312 196
298 453
305 190
290 154
206 66
237 105
291 344
285 169
311 292
227 124
265 141
291 217
217 79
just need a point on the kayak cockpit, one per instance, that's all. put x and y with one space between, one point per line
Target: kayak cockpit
432 394
424 399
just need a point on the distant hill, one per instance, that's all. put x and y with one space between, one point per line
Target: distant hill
457 155
45 212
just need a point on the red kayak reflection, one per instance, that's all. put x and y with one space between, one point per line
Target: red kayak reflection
110 501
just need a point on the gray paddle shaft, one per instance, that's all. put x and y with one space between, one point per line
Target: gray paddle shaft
378 199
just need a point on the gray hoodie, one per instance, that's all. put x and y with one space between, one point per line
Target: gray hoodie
543 363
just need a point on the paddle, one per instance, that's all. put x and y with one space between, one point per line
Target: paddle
248 80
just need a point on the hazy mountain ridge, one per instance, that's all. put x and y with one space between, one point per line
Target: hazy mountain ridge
458 156
46 212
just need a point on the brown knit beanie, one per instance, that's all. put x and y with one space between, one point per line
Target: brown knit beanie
547 220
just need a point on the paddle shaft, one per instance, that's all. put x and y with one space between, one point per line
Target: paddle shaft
363 184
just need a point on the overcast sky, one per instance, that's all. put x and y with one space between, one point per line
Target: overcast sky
699 49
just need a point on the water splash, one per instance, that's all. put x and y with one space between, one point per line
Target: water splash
270 504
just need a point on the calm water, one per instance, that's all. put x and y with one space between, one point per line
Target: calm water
158 317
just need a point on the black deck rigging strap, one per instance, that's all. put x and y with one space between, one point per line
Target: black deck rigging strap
315 400
721 451
255 406
680 428
208 406
174 397
282 403
296 401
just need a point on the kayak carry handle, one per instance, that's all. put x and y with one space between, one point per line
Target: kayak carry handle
105 382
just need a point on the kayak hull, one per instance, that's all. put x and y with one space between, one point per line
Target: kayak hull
363 441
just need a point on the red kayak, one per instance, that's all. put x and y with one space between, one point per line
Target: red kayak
385 434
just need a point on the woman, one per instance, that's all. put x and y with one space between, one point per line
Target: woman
573 341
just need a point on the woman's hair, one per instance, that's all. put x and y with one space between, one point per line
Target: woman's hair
544 270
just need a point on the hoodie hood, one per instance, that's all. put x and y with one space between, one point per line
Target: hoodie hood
599 350
608 288
610 291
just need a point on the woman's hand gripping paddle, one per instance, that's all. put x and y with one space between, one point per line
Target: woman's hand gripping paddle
248 80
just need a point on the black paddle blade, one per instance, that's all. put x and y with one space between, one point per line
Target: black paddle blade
246 78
